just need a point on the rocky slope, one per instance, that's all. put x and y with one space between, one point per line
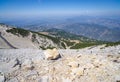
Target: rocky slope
92 64
3 44
20 38
13 37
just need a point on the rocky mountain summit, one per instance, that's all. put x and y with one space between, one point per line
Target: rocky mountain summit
56 56
92 64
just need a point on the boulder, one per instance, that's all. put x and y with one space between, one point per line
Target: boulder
51 54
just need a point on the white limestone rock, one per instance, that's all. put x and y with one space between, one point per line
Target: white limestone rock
51 54
87 67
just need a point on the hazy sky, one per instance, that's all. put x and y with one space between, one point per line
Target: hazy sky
18 8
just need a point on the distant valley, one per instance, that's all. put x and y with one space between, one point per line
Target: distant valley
13 37
105 29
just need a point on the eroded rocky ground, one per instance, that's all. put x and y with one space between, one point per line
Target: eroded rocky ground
95 64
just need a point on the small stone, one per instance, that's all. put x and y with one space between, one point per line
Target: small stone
118 81
78 56
110 56
115 61
2 78
118 52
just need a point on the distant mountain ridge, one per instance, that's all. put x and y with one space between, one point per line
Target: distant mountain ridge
100 28
47 39
53 38
94 31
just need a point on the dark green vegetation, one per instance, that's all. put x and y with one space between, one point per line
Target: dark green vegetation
54 39
69 43
49 47
95 31
83 45
63 45
33 37
18 31
66 37
69 36
112 44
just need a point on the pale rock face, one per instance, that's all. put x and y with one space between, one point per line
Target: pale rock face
51 54
72 67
